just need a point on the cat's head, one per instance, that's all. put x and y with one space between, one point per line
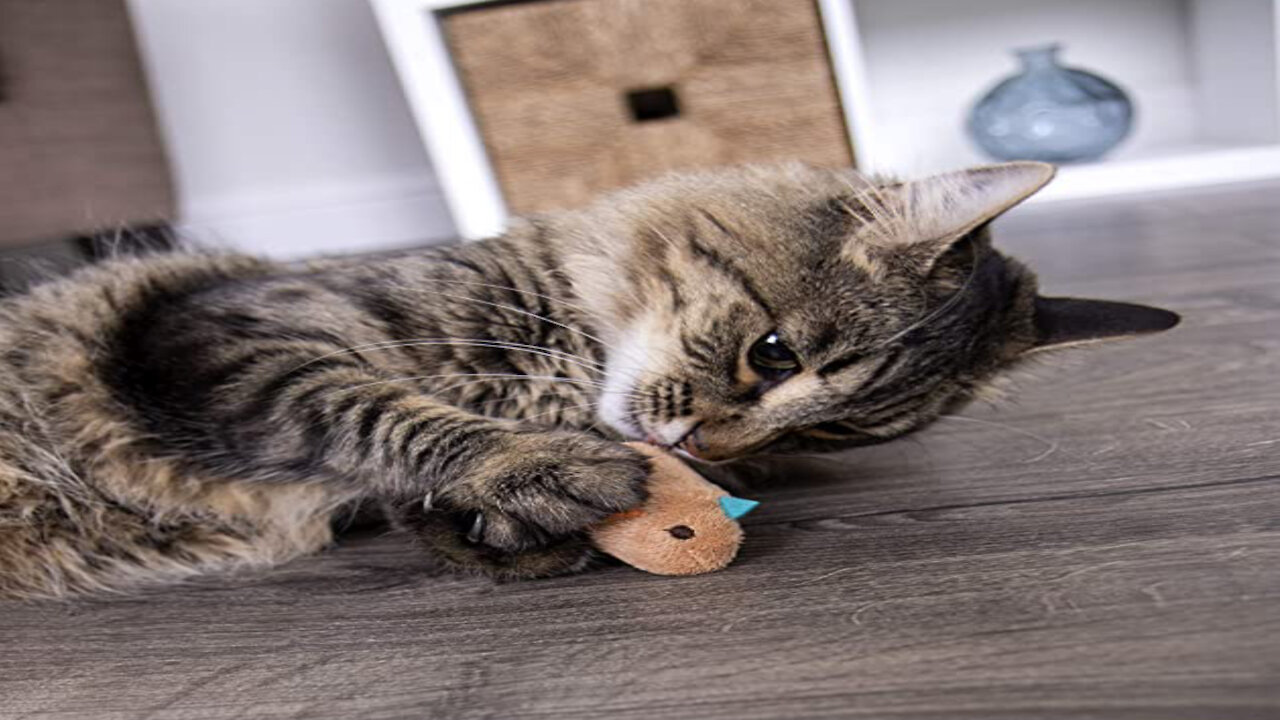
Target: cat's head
790 308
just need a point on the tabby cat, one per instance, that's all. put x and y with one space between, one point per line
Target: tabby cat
172 415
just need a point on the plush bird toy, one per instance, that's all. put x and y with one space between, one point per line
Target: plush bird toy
687 526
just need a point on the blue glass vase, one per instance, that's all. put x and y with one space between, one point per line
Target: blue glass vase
1049 112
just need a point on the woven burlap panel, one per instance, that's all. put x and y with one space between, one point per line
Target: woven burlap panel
548 83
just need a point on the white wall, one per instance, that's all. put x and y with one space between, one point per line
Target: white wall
286 126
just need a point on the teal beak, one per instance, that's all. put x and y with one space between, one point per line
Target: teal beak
736 507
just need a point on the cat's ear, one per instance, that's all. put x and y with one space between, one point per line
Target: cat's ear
1061 321
943 208
911 224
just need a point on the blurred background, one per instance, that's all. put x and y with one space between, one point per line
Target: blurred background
296 128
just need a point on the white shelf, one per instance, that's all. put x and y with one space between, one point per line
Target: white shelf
416 43
1188 167
1202 73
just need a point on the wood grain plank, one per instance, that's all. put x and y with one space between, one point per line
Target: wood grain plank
1104 545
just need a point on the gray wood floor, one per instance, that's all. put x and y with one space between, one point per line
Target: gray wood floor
1106 545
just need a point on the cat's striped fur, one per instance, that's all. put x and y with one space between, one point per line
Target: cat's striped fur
167 416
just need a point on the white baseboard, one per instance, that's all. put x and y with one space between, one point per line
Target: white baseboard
339 218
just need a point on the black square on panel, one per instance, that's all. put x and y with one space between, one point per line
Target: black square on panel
653 104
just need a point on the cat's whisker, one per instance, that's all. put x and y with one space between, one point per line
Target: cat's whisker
497 323
586 311
485 377
455 386
552 353
662 236
603 343
602 367
587 364
585 334
512 308
941 309
1051 446
496 401
590 313
464 384
495 376
560 410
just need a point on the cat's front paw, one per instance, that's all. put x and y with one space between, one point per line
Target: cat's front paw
522 511
444 536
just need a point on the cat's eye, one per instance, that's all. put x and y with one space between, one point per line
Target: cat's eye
771 357
681 532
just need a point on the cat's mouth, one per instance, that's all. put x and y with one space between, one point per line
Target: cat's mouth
686 438
692 445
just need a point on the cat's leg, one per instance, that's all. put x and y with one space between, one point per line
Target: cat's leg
298 404
516 503
519 504
505 499
451 544
56 542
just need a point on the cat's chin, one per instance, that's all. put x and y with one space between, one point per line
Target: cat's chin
616 413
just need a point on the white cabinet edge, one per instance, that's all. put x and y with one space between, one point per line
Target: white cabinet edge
418 51
421 57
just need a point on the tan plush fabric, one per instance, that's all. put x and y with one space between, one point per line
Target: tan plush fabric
680 500
79 149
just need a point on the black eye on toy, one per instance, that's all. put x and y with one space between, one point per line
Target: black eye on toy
681 532
772 358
